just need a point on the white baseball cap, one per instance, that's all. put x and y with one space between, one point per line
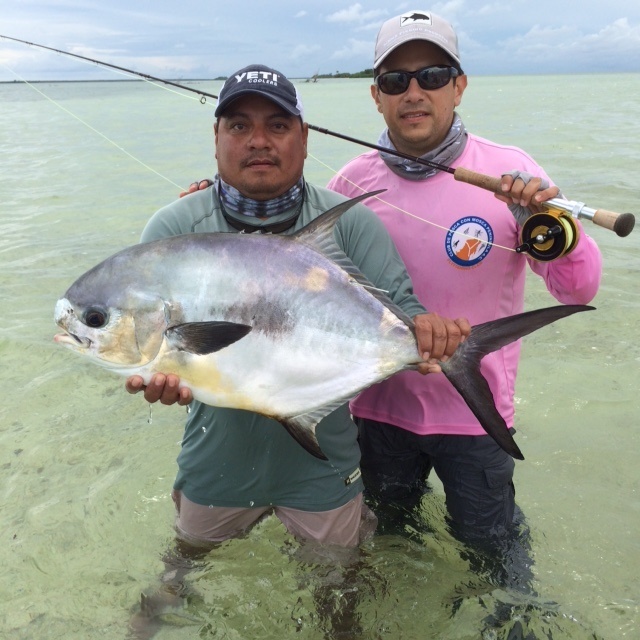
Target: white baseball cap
415 25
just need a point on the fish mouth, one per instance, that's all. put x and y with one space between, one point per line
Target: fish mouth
72 340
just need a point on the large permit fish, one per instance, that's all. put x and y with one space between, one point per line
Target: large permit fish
285 326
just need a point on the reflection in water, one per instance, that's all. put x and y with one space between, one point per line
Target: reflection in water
412 580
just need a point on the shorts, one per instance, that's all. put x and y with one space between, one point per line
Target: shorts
346 526
477 475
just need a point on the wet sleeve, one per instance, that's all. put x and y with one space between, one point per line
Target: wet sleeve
574 278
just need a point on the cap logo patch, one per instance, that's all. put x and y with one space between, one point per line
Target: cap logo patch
415 18
266 77
256 79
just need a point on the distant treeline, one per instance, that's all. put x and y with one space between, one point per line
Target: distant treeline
367 73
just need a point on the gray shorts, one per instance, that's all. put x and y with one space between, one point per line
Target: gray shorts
346 526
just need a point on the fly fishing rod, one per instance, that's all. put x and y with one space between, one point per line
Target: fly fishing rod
106 64
545 236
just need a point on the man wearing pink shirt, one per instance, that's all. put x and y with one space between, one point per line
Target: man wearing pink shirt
452 245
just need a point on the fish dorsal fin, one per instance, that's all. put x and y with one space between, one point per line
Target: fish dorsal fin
319 235
319 232
202 338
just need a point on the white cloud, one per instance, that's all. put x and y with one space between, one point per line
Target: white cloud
618 38
567 49
491 9
355 13
304 50
495 37
355 48
373 27
449 9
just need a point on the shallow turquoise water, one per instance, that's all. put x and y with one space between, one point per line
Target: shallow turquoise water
85 471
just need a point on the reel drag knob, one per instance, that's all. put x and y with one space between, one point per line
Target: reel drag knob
548 236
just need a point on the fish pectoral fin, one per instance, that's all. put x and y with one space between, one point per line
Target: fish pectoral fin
202 338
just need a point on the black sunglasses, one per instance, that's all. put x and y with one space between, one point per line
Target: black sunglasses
429 78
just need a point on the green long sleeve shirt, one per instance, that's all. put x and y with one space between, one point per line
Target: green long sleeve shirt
235 458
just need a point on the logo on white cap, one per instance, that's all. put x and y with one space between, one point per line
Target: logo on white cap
412 17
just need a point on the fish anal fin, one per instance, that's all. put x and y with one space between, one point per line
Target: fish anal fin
302 427
303 430
202 338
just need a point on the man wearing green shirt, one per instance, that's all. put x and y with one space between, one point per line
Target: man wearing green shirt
236 467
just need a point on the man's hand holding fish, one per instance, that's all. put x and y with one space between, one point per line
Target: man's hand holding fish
438 338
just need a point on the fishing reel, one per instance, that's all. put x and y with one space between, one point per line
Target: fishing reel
553 233
549 235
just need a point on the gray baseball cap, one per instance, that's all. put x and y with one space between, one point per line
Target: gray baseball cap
415 25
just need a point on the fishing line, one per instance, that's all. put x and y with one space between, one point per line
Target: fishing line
135 75
152 170
86 124
621 224
401 210
203 100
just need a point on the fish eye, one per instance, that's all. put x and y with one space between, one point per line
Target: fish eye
95 318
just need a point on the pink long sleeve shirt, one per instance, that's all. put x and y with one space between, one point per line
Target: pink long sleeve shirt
457 275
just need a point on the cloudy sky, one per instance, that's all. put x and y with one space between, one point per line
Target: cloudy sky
206 39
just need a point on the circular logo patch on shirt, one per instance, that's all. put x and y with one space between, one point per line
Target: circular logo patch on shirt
469 241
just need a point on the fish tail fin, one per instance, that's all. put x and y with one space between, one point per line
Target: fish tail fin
463 368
